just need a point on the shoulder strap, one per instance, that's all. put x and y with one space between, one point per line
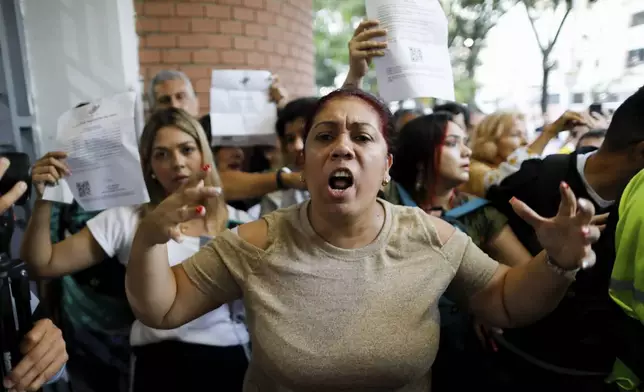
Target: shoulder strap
466 208
405 198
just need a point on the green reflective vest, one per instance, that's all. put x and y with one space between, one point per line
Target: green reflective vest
627 280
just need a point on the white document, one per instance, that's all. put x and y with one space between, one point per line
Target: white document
101 142
417 62
240 111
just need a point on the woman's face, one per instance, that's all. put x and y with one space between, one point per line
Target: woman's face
512 139
175 158
454 168
346 158
229 158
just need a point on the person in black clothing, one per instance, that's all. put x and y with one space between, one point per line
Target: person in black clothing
573 348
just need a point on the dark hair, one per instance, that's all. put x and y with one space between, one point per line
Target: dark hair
400 113
418 149
295 109
386 118
207 128
627 125
594 134
455 109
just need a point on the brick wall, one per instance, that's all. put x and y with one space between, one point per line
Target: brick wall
197 36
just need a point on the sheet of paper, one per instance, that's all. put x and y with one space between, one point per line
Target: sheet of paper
59 193
240 111
417 62
103 155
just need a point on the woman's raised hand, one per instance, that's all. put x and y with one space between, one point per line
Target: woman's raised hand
188 202
568 236
48 170
363 47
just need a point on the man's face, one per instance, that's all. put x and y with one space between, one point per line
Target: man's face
176 94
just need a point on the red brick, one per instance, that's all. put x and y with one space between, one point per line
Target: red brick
138 9
274 33
231 27
195 72
231 2
175 25
218 11
220 41
255 59
281 21
274 61
204 26
193 41
153 70
241 13
259 4
233 57
274 5
266 46
282 48
148 56
202 85
205 56
244 43
146 25
265 17
190 9
161 40
255 30
158 9
176 56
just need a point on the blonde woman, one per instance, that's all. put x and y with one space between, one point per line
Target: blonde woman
500 146
209 349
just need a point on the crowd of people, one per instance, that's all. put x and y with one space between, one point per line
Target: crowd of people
364 251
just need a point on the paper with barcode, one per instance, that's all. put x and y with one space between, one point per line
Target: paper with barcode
103 156
416 62
241 113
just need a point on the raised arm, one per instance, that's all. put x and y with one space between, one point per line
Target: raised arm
73 254
362 48
167 297
520 295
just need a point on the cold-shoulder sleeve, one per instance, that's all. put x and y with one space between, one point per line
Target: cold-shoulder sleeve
219 268
474 268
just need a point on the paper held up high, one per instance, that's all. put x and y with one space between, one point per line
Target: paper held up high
417 62
101 142
241 113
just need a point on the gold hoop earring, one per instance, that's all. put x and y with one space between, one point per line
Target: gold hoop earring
386 181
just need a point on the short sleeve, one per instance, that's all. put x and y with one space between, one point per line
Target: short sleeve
114 230
474 268
218 269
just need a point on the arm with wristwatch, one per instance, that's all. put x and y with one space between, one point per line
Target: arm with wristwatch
240 185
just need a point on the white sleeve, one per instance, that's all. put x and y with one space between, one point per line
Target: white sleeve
113 229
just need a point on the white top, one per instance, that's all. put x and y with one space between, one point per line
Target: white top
114 231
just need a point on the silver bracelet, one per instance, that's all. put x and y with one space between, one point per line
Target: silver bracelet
569 274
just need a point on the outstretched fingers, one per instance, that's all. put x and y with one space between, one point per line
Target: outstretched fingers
526 213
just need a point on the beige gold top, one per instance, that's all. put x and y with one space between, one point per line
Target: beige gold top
323 318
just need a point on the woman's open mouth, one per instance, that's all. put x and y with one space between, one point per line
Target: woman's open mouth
340 181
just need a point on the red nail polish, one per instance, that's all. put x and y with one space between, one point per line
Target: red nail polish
513 199
205 167
585 230
565 185
200 210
